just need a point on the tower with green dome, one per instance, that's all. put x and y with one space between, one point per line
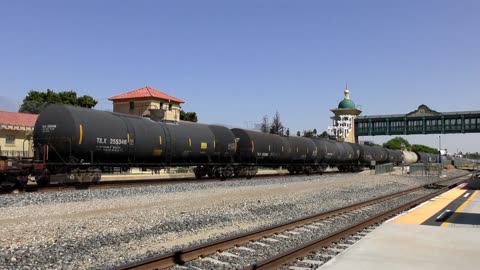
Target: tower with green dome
346 103
344 119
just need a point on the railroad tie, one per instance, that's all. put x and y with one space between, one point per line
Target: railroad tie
260 244
271 240
246 249
337 250
298 268
190 267
313 262
215 261
228 254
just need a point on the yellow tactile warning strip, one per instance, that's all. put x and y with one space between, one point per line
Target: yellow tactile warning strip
460 209
424 212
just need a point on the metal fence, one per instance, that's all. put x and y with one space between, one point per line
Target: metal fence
430 169
384 168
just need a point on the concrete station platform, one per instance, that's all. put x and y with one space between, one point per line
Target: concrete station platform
422 238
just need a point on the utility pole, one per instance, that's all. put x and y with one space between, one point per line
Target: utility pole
440 148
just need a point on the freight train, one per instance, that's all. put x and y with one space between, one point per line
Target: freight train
84 143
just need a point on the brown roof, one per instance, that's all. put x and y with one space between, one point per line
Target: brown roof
18 119
145 92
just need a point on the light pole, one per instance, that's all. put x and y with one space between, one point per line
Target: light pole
439 148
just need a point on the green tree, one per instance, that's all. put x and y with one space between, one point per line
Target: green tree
265 125
276 127
68 97
51 97
188 116
309 133
35 101
371 144
396 143
424 148
323 135
298 133
475 155
86 101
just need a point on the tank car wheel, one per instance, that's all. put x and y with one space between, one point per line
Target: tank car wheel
251 172
43 179
84 178
219 174
199 172
81 178
215 173
226 173
22 181
198 175
94 175
9 182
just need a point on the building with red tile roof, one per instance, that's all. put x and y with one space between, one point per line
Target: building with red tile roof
15 133
148 102
146 93
14 120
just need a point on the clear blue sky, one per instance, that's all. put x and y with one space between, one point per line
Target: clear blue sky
235 61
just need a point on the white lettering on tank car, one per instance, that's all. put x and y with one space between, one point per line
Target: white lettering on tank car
118 141
48 128
109 148
112 141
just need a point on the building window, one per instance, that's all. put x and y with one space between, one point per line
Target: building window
170 107
10 139
132 105
161 105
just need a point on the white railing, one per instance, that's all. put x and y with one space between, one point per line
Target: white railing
15 153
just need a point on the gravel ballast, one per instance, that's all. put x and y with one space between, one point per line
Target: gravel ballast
100 228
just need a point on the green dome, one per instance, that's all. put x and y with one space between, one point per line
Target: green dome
346 104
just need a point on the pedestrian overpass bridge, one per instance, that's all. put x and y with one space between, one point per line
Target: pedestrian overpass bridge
421 121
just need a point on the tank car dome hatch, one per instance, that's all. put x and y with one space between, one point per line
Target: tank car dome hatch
346 103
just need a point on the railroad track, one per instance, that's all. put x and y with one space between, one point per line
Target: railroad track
277 246
57 187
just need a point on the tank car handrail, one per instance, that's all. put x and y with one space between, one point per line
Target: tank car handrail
56 152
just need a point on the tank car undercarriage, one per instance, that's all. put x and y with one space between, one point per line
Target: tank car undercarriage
226 171
14 172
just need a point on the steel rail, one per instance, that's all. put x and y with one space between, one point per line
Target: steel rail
107 184
303 251
182 256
